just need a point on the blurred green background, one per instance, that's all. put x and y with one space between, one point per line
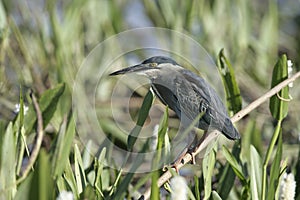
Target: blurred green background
43 43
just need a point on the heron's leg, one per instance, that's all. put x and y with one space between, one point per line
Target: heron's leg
192 143
179 160
192 150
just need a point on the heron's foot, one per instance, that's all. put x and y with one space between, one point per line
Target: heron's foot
174 165
179 160
191 151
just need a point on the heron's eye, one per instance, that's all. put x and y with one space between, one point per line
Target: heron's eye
153 64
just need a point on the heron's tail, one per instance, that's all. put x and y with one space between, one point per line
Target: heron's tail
230 131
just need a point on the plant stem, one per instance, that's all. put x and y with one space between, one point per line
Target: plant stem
38 140
267 158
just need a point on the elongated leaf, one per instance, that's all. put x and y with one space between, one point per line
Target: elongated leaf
70 179
255 173
123 186
79 170
154 187
99 167
226 181
63 147
161 133
163 127
163 146
275 170
23 189
233 95
47 103
278 107
234 164
3 21
7 163
216 196
197 188
42 183
56 160
61 184
208 165
267 158
89 193
297 175
19 126
143 114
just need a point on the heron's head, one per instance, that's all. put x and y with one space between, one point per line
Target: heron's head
148 66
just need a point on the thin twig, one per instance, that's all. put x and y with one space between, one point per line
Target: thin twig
263 98
38 140
213 135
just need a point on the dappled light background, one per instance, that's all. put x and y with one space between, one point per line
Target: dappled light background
45 42
55 37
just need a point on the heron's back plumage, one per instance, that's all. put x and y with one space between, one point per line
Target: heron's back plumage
188 95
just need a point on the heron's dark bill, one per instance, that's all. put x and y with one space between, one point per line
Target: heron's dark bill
135 68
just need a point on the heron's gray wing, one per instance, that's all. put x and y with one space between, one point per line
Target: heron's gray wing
215 112
189 102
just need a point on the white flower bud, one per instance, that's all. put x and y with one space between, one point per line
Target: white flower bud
287 187
179 188
65 195
290 71
17 109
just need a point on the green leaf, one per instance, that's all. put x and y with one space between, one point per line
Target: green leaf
24 189
278 107
208 165
61 184
123 186
98 169
251 136
163 127
234 164
163 146
275 170
79 170
143 114
19 126
154 187
3 21
70 179
89 193
197 188
233 95
63 147
155 174
216 196
7 163
42 185
47 103
255 173
226 181
267 158
297 175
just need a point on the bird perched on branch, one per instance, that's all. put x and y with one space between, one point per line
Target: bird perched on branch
186 93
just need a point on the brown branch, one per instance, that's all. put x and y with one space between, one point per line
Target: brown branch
263 98
213 135
38 140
